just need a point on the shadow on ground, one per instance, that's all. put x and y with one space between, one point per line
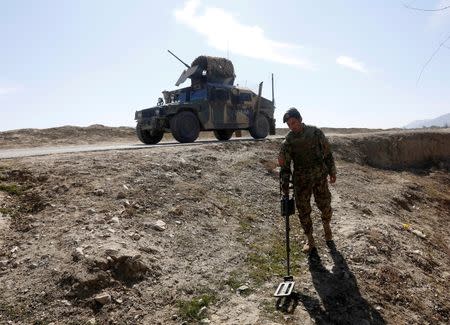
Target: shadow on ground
340 299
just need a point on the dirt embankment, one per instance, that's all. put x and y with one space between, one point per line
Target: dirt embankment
65 135
168 235
396 150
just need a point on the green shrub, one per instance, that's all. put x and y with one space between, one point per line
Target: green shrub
13 189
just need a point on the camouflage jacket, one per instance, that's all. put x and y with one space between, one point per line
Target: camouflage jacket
310 152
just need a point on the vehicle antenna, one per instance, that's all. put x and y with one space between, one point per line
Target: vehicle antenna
273 93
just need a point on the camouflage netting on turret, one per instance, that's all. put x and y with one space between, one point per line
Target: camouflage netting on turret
218 69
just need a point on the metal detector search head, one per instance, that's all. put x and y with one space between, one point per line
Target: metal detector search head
285 288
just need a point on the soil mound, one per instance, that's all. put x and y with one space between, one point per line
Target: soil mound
396 150
65 135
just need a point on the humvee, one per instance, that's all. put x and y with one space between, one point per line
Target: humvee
211 103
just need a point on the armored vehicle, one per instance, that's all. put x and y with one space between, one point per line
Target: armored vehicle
211 103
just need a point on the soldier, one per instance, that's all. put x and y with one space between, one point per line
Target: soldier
308 148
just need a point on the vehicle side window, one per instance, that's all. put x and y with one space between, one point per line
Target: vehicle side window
244 97
219 94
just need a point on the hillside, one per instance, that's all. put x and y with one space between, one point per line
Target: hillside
440 121
152 236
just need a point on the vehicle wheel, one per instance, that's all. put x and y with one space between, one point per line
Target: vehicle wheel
147 136
185 127
260 128
223 135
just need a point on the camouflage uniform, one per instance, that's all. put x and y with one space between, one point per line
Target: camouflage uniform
310 152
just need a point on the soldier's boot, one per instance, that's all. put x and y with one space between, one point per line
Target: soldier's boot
327 231
310 244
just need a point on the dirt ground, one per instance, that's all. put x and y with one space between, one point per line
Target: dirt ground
193 234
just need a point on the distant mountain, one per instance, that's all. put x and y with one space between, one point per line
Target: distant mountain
440 121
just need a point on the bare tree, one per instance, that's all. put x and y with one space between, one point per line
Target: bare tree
432 56
424 9
441 45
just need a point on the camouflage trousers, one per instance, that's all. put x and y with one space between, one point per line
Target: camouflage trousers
303 190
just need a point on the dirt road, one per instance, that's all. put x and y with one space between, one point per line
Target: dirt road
50 150
193 234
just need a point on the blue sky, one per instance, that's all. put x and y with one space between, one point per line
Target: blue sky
343 63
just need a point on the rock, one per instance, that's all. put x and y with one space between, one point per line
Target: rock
372 260
66 302
178 222
60 189
242 288
373 249
125 187
103 298
91 211
120 195
419 233
136 236
149 249
174 317
92 321
202 311
99 192
159 225
445 275
126 203
4 263
77 254
176 210
112 250
205 321
115 220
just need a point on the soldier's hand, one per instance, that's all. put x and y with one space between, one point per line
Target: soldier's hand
332 179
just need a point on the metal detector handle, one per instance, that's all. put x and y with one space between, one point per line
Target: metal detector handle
288 246
287 206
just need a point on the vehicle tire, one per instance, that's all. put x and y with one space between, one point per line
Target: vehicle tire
147 136
223 135
260 127
185 127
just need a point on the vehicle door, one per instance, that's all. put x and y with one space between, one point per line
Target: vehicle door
219 98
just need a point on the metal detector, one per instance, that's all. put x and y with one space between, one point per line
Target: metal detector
285 288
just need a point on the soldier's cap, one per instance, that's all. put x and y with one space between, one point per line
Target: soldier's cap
291 112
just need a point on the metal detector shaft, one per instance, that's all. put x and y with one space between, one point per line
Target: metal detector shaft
288 248
285 288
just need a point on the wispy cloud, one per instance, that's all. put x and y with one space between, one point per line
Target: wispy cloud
351 63
225 33
7 90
